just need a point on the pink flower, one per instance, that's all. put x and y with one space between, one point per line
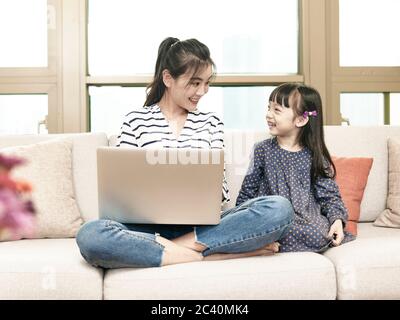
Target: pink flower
9 162
16 215
6 182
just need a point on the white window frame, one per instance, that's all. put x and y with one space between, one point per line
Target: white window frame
220 80
352 79
41 80
66 79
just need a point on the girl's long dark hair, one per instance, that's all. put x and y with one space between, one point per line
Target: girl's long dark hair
312 134
177 57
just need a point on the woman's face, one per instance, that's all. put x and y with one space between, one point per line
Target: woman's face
187 90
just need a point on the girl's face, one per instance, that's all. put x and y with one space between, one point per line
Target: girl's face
283 121
187 90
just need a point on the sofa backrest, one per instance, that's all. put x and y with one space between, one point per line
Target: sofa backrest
84 164
341 141
344 141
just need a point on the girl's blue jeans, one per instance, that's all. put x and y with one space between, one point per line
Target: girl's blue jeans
247 227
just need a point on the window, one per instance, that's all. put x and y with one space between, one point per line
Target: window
370 109
23 114
67 50
238 107
23 33
123 36
109 104
29 66
362 108
395 109
252 57
369 31
364 55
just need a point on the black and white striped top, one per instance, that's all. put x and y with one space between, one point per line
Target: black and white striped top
148 127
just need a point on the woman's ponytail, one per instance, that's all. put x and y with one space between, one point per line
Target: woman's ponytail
156 88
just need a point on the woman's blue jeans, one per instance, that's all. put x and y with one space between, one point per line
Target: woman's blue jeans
247 227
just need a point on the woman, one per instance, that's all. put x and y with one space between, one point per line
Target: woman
168 119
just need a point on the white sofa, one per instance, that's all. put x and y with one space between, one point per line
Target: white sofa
368 268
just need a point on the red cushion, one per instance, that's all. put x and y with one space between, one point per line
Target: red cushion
351 177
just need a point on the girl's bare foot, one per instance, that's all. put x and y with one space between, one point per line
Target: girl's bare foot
273 247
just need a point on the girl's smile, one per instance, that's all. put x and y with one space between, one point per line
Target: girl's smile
271 124
279 119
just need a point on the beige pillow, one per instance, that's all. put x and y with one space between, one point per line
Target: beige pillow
391 216
49 171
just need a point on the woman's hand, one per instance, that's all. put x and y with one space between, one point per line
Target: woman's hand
336 232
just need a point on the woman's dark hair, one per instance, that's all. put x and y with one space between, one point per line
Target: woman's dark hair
311 135
177 57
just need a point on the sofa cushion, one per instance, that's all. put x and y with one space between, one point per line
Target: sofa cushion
352 177
282 276
47 269
84 164
369 267
390 217
48 169
368 142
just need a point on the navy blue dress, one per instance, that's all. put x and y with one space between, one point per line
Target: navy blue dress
276 171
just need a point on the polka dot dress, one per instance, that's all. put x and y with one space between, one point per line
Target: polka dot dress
276 171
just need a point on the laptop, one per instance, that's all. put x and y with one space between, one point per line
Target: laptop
160 186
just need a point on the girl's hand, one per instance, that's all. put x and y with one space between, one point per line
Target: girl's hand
336 232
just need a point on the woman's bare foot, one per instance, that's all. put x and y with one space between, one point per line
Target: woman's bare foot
188 241
185 249
268 250
174 253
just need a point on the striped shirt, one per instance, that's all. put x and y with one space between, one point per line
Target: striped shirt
148 127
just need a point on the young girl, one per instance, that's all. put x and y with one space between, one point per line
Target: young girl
296 164
168 119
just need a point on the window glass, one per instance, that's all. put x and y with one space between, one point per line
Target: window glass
23 33
22 114
255 36
369 33
395 109
238 107
362 109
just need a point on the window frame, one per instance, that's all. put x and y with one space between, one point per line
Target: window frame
353 79
221 80
66 79
41 80
53 117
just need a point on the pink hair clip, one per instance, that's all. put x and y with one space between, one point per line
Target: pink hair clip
309 113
